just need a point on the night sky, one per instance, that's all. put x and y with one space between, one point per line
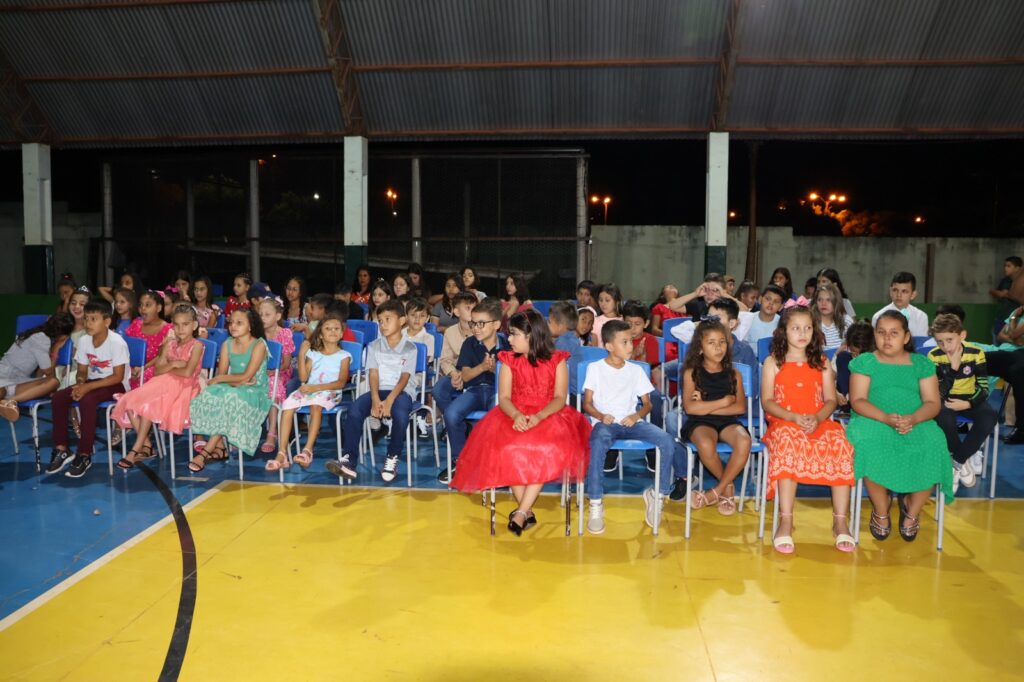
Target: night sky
959 188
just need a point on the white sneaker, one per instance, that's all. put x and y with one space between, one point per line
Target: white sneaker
595 521
652 498
422 427
956 478
390 471
977 464
374 423
967 475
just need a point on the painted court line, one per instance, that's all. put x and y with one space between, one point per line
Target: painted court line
101 562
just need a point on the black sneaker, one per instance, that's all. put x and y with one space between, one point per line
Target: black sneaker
57 461
390 470
678 490
79 465
650 454
342 467
443 478
611 461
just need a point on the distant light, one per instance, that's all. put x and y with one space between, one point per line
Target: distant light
273 156
316 196
812 196
594 199
918 219
607 200
842 198
394 213
832 197
732 214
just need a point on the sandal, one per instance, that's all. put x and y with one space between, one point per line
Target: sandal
270 445
145 452
784 543
700 499
908 533
304 458
878 531
9 410
515 527
199 446
217 455
844 539
727 505
125 463
277 465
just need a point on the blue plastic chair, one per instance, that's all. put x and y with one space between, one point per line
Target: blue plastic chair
764 346
369 329
919 342
218 336
64 358
366 310
543 307
221 322
757 449
430 327
273 365
629 444
22 323
360 337
122 326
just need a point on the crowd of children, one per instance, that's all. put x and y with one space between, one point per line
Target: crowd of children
805 359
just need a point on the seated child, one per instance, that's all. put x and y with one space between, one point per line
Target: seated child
963 389
27 369
102 358
343 292
206 309
696 303
379 294
660 310
449 378
271 311
164 399
713 398
645 349
860 338
323 371
894 394
416 316
443 312
902 291
390 362
240 290
766 319
828 310
585 317
586 294
531 437
235 401
747 295
476 365
562 321
126 307
611 391
152 329
609 302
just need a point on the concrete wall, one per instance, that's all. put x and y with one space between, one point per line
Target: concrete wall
71 234
642 258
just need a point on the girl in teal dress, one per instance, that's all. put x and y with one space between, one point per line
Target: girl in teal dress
236 400
894 394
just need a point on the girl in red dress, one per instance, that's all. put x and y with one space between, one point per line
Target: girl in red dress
531 437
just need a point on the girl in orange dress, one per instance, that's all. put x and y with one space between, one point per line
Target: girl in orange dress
531 437
798 392
164 400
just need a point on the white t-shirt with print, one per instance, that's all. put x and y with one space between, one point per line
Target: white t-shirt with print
101 361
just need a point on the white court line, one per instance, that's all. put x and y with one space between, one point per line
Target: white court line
101 562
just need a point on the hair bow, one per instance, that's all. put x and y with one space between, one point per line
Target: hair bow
82 290
800 301
171 288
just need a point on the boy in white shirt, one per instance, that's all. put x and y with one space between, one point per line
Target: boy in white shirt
610 393
417 313
902 291
764 321
102 357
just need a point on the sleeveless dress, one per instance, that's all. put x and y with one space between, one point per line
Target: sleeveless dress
496 455
287 341
823 458
908 463
153 343
236 412
325 370
164 399
715 386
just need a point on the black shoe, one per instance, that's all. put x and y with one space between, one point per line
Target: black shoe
1016 437
611 461
650 454
531 521
679 490
342 468
443 478
57 461
79 465
390 470
515 527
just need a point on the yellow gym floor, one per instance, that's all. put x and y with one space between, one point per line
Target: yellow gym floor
323 583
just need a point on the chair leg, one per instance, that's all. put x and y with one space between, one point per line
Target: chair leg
170 453
579 504
568 504
762 488
494 512
241 459
856 509
14 438
433 429
995 462
657 490
689 490
410 435
743 484
940 501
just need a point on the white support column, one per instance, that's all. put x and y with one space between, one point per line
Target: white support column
716 203
35 190
254 219
417 214
355 202
108 224
582 243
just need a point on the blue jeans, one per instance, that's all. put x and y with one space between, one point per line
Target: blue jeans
470 400
444 393
601 439
360 410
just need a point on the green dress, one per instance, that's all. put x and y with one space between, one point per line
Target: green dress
235 412
908 463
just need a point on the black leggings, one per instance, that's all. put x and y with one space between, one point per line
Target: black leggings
1009 365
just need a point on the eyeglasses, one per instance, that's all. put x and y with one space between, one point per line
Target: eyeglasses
479 324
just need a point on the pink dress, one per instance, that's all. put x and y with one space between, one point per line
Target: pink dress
287 341
153 343
165 399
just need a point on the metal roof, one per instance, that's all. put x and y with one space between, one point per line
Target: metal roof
177 72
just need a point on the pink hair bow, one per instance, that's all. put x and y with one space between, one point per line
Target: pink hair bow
800 301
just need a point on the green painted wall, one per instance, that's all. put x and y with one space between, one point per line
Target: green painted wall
12 305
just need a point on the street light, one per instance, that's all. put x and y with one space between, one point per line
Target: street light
826 203
732 214
392 198
594 199
918 219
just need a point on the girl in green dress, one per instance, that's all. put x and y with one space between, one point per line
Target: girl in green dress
236 401
894 394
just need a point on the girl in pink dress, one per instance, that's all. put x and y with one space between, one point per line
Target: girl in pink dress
165 399
151 328
532 436
271 311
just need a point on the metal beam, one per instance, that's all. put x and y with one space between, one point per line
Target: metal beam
726 68
20 109
123 4
339 59
544 64
176 75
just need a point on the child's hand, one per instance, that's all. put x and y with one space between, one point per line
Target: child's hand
520 423
488 364
906 424
807 422
893 420
136 372
532 421
306 389
78 391
376 408
608 419
957 405
841 399
457 381
385 407
629 420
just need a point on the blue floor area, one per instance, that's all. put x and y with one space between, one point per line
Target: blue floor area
54 526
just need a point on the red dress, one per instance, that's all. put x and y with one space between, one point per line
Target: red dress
823 458
496 455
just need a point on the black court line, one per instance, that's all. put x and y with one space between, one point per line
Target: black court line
187 601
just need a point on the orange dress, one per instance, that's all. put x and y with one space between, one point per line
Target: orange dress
823 458
164 399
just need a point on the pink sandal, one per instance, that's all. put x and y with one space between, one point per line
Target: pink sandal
727 505
700 499
304 458
277 465
270 445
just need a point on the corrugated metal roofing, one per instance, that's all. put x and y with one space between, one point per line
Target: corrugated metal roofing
169 73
